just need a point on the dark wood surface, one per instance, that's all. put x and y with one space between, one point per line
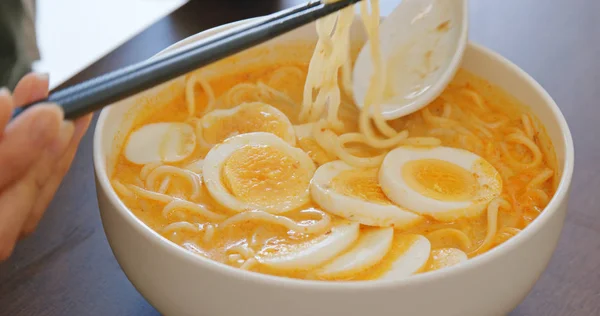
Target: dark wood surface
67 267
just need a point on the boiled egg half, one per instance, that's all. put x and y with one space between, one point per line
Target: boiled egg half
410 258
314 252
355 194
442 182
218 125
371 247
160 142
258 171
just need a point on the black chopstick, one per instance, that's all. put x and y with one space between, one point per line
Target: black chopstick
93 94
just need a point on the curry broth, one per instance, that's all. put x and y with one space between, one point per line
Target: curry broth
499 106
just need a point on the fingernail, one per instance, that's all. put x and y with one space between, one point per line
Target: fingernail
4 91
60 144
43 76
44 124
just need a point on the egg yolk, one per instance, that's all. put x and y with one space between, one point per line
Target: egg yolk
362 184
248 118
263 175
440 180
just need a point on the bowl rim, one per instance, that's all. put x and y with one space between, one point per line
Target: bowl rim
173 249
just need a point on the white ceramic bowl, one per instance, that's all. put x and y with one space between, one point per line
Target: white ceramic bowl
180 283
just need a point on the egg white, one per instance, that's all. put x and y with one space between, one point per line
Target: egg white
218 155
398 190
289 135
354 208
412 260
313 254
160 142
371 247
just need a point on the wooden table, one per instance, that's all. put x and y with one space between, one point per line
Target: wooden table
67 268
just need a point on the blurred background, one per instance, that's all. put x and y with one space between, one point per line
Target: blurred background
67 268
72 34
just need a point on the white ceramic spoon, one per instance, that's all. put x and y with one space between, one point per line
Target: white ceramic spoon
422 45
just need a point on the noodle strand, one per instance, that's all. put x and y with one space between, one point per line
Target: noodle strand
318 227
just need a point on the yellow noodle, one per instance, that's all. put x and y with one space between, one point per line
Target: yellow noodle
540 178
200 136
493 125
209 232
526 121
483 130
235 257
437 121
190 96
180 226
447 110
248 264
121 189
361 138
505 233
191 207
540 194
477 99
168 171
318 227
464 240
514 130
150 195
492 224
374 95
510 230
147 168
241 93
255 236
139 182
315 76
241 249
326 63
268 90
533 148
283 74
164 185
329 141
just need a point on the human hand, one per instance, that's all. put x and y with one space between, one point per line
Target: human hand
36 151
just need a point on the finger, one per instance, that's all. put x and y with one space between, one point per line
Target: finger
47 193
81 126
32 87
6 109
48 171
15 205
25 138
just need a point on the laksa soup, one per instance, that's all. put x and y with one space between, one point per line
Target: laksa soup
273 168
